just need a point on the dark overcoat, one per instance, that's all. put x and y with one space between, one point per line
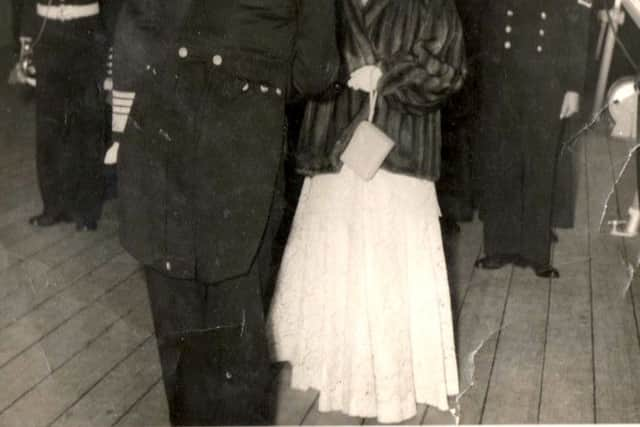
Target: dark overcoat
533 52
418 45
205 84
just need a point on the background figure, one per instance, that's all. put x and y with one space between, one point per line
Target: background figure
205 83
362 308
459 128
533 66
69 41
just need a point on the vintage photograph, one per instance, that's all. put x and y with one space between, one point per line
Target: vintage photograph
319 212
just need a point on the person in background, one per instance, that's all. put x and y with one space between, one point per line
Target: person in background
361 308
459 130
199 99
68 43
533 64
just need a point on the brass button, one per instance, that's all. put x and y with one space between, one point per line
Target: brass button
509 12
507 44
539 49
183 52
541 32
507 29
217 60
264 89
543 15
168 265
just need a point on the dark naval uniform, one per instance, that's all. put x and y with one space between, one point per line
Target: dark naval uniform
199 92
69 41
533 52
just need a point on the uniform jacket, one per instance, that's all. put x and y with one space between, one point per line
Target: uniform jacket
199 94
418 45
537 43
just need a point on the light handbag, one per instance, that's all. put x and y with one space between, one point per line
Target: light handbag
368 147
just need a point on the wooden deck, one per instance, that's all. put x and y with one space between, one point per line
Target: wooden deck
76 343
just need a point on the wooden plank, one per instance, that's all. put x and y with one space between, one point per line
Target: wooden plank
113 396
616 355
45 267
434 416
22 334
74 245
42 239
30 242
14 233
20 212
317 418
461 252
30 284
63 388
568 382
86 325
615 347
151 410
416 420
291 405
31 367
514 389
480 320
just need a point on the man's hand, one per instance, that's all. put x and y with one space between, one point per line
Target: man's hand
570 105
111 158
365 78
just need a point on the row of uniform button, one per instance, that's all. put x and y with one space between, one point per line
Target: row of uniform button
507 46
183 52
217 60
508 29
543 14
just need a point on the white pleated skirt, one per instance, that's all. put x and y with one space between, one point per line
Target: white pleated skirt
362 307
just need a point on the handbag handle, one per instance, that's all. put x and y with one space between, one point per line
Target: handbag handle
373 99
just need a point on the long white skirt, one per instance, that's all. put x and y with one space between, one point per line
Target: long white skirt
362 308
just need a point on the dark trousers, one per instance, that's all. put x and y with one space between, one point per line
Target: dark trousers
70 127
518 159
213 349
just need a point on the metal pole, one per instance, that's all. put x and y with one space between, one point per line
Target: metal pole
605 64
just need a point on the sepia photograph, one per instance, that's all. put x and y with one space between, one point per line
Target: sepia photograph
319 212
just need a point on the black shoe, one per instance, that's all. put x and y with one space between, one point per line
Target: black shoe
47 220
542 270
87 225
493 262
547 271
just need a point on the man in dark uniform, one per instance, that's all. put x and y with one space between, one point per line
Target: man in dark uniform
199 92
68 41
533 67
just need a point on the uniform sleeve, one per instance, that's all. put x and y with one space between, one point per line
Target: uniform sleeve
578 21
423 75
143 31
124 71
134 30
316 59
